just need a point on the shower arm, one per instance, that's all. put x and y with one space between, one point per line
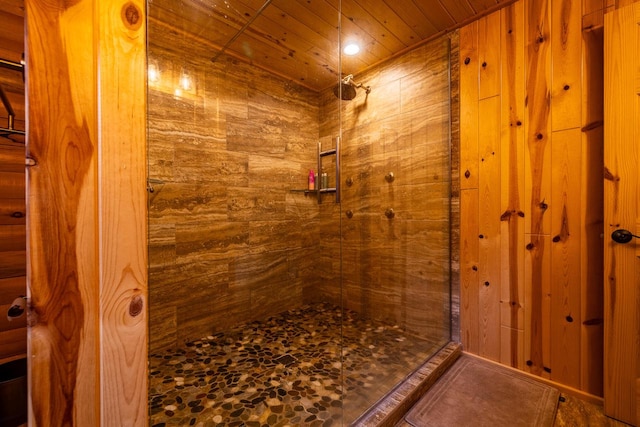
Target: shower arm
349 80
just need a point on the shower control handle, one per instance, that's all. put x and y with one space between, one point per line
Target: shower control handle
390 177
389 213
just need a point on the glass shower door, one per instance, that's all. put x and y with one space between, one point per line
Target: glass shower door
396 174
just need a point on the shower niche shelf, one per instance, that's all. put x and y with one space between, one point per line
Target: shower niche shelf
319 192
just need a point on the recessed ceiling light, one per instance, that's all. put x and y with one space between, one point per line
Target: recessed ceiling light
351 49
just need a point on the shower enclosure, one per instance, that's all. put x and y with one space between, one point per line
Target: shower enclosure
270 302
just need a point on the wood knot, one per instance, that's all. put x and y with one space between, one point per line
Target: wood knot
518 123
467 174
529 363
556 239
484 65
17 215
569 319
135 307
467 60
481 236
547 370
566 87
486 284
530 246
539 136
474 268
131 16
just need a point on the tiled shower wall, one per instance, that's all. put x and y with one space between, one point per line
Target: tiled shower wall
228 241
397 270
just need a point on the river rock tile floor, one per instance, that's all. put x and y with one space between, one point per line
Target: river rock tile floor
285 371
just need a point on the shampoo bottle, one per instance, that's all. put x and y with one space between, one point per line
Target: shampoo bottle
312 180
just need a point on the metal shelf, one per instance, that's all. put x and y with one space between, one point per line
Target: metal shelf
331 152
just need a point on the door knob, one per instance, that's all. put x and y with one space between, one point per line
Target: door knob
623 236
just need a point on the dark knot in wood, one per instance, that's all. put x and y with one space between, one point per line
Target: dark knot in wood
135 307
131 16
467 60
467 174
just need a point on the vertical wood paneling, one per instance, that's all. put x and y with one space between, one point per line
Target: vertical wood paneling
592 211
86 223
469 291
489 211
489 55
566 54
537 270
469 68
566 150
548 219
538 178
621 209
62 218
123 214
512 177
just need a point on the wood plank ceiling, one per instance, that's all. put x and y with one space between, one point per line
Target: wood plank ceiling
295 39
298 39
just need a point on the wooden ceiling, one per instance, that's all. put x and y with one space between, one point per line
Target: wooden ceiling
298 39
295 39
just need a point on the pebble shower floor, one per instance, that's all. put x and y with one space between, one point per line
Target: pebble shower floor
284 371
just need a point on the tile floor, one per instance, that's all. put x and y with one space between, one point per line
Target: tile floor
285 371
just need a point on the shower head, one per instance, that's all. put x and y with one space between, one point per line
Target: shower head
346 89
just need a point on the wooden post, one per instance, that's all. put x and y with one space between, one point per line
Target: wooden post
86 227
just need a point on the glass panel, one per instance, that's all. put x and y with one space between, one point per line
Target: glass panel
271 302
396 242
245 315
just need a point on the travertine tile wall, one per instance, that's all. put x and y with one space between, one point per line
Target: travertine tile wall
228 241
395 270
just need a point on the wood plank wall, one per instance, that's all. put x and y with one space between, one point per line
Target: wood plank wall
394 270
13 241
229 242
531 189
87 213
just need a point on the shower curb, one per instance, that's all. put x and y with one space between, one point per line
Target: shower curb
392 408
